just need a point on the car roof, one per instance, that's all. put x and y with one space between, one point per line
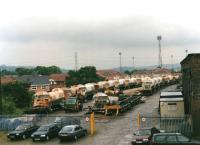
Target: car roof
156 134
49 125
71 126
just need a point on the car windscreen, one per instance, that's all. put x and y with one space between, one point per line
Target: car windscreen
43 128
71 101
21 127
143 132
67 129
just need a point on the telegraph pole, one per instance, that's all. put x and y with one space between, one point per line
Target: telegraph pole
133 62
186 52
159 49
172 64
76 61
120 62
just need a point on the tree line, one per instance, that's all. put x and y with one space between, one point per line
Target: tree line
16 98
42 70
82 76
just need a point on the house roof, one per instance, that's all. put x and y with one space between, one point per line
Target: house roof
189 57
58 77
110 74
153 71
7 79
34 79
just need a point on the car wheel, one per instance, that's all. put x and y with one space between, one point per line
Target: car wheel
47 137
75 138
24 136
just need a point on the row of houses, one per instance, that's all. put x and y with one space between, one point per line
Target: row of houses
38 82
46 83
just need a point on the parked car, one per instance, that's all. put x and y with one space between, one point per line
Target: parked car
71 132
143 135
22 131
45 132
66 120
171 139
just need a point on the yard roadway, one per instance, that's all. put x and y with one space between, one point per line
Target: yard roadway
109 131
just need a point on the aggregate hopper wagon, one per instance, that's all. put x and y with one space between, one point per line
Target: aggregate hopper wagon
48 101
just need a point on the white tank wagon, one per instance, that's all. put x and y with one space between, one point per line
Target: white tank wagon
148 86
176 78
90 91
111 84
139 81
116 84
132 82
126 83
157 82
103 85
79 91
121 84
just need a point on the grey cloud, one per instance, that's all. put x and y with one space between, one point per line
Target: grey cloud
133 32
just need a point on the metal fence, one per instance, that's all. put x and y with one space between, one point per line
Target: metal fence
168 124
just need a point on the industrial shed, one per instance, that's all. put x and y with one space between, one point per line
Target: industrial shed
171 104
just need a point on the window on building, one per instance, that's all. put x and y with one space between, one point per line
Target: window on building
43 87
172 106
33 87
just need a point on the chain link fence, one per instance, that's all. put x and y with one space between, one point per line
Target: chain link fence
168 124
10 122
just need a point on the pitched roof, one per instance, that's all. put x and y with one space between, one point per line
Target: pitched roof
34 79
58 77
7 79
154 71
110 74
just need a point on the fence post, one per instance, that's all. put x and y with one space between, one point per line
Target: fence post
138 120
92 127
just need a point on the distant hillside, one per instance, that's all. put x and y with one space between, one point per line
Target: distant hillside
12 68
168 66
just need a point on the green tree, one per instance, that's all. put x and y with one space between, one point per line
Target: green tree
42 70
128 72
6 72
24 71
16 95
84 75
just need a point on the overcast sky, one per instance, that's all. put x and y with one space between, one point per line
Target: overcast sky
45 32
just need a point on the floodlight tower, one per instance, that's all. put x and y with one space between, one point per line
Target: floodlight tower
172 63
76 61
133 62
159 55
120 62
186 52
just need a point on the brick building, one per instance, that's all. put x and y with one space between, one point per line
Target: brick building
36 82
190 68
58 80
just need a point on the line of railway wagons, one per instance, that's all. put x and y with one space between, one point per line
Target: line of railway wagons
51 100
